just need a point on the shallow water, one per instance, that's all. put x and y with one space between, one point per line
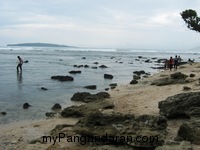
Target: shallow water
18 88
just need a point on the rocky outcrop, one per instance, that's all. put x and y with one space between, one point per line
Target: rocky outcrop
176 78
62 78
87 97
83 110
108 76
139 72
180 105
190 132
111 126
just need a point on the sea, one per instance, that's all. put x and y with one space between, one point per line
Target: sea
44 62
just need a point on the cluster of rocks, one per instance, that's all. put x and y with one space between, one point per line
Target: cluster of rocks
137 75
175 78
184 105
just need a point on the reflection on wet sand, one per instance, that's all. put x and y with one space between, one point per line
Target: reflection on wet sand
19 79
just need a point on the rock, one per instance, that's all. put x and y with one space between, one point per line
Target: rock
74 71
96 63
175 145
134 82
103 66
56 107
91 87
106 89
108 76
179 104
43 89
186 88
192 75
86 66
113 85
78 66
87 97
148 61
83 57
83 110
50 114
136 77
3 113
80 96
176 78
190 132
94 67
62 78
139 72
118 125
26 105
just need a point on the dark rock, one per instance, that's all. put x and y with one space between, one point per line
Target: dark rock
80 96
63 78
43 88
190 132
96 63
176 78
91 87
86 66
113 84
140 57
134 82
50 114
94 67
106 89
87 97
84 110
3 113
139 72
178 105
56 107
148 61
186 88
83 57
108 76
103 66
74 71
192 75
136 77
26 105
78 66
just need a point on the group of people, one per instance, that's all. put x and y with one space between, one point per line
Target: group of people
172 62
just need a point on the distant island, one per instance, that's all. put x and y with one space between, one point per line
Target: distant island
39 45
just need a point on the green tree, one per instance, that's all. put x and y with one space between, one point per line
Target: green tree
191 19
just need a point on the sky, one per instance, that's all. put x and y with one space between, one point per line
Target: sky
137 24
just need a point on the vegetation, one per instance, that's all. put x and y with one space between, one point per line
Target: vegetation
191 19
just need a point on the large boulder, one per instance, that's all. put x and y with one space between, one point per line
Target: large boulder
62 78
190 131
83 110
180 105
108 76
175 78
87 97
123 129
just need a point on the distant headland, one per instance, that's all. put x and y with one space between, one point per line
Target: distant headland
39 45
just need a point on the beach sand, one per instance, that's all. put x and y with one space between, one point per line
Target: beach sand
138 99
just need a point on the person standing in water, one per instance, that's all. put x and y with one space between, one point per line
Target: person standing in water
19 66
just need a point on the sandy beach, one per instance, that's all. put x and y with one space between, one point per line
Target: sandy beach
137 99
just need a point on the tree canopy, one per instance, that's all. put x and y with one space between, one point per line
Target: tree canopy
191 19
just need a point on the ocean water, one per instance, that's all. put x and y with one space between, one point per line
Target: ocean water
18 88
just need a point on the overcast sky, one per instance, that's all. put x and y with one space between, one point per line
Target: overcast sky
144 24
